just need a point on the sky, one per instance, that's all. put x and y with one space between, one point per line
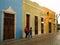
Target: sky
53 5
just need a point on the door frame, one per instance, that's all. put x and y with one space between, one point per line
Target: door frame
10 11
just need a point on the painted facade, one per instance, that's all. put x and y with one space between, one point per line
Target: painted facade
11 7
33 10
49 20
46 18
23 13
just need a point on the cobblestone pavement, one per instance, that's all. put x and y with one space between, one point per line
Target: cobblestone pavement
50 39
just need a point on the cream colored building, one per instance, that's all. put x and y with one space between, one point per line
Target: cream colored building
35 16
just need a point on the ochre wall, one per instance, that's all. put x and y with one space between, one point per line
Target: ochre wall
49 18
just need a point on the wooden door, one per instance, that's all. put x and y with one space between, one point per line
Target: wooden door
27 20
8 29
50 27
42 28
36 25
42 25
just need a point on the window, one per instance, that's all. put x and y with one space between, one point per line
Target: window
48 13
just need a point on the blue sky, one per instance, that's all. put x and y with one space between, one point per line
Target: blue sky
53 5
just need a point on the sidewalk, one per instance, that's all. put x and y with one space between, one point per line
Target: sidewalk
16 41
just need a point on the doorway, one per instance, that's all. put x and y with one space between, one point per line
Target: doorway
28 20
42 25
50 27
36 25
42 28
8 26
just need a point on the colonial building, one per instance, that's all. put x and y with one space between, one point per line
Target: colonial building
49 21
10 19
41 19
16 15
32 17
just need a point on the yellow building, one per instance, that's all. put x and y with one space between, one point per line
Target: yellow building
35 16
49 21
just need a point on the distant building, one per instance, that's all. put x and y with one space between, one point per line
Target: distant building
58 26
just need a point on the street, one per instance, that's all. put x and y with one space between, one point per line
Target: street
50 39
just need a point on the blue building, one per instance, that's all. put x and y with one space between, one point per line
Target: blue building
10 19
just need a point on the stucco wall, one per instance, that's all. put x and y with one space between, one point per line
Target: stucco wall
49 17
17 7
34 10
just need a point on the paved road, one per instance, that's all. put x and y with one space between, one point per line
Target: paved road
51 39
